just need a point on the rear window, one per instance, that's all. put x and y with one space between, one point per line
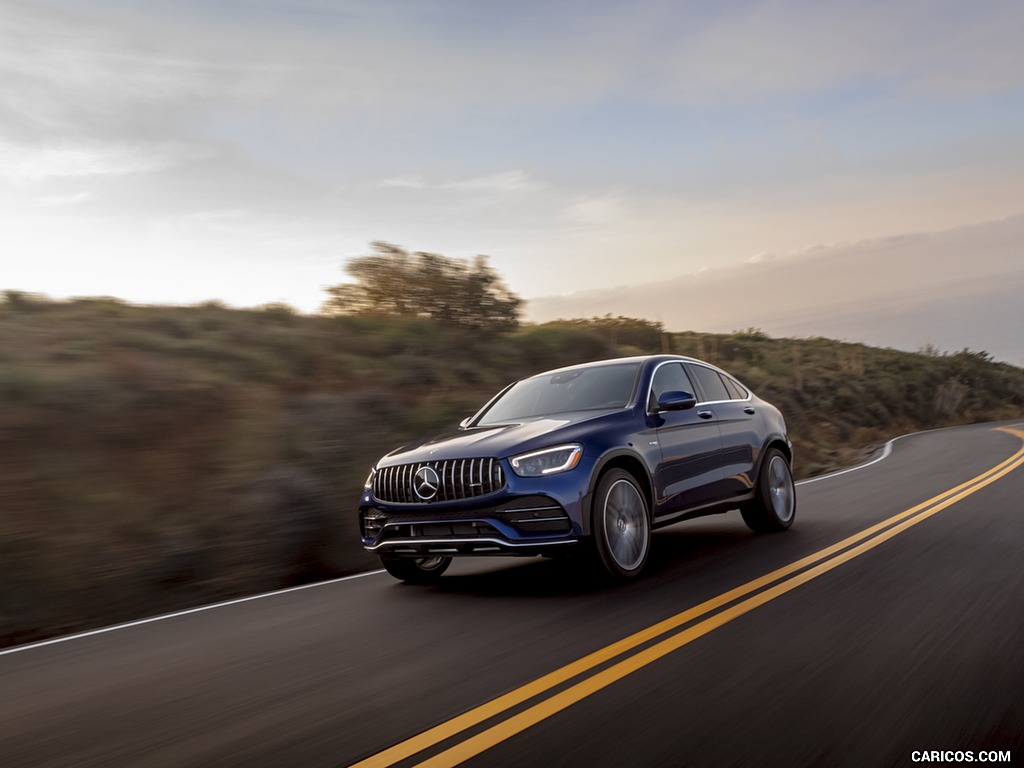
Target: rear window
710 382
736 390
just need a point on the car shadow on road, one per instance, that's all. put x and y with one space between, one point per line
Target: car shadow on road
680 552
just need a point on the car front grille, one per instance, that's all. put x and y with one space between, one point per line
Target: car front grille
433 481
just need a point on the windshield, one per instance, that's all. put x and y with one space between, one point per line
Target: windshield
602 387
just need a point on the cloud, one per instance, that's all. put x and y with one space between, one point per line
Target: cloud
506 181
769 49
406 182
344 86
597 211
556 58
509 181
20 163
73 73
435 57
67 200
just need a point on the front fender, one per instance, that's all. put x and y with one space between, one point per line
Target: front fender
632 460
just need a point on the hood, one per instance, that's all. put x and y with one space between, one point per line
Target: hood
502 440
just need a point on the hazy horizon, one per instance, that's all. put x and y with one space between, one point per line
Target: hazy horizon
949 290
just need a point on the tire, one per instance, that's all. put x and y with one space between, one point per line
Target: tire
416 570
620 525
774 505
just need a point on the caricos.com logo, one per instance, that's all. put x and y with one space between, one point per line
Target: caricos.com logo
960 756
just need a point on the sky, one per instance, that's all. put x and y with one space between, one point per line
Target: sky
650 156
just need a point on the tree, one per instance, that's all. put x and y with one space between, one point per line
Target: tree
393 281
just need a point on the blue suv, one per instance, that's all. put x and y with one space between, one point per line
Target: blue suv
592 457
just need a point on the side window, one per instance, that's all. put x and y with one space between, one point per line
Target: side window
669 378
736 390
710 383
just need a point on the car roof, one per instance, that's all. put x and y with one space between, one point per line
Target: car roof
613 360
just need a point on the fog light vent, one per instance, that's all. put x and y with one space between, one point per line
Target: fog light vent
373 523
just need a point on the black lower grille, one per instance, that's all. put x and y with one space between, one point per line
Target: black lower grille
432 481
551 525
534 519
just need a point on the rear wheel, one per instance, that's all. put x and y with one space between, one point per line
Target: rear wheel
416 570
621 525
774 505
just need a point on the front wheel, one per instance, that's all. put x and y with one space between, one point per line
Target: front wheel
621 525
774 505
416 570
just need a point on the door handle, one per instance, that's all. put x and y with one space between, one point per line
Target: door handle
749 410
705 414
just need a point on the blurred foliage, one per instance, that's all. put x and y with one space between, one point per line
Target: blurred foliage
153 458
392 281
621 332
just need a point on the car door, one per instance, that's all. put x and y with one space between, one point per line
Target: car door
690 445
739 426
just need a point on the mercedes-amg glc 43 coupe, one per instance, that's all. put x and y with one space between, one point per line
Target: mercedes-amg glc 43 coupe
587 459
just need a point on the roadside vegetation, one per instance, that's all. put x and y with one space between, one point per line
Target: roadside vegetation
153 458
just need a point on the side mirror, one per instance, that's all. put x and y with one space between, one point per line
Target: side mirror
676 401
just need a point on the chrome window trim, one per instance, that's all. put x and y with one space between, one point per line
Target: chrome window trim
690 361
654 373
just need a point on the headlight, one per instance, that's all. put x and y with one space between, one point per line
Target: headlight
369 480
550 461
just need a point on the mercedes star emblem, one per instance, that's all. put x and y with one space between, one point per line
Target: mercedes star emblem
426 482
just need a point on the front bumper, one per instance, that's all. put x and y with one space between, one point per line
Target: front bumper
524 525
527 516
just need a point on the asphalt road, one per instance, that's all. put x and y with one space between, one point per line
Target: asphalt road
854 651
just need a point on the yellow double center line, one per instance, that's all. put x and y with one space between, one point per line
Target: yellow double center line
784 580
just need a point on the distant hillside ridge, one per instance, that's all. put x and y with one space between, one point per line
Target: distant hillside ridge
154 458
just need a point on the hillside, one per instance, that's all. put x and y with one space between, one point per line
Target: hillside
153 458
